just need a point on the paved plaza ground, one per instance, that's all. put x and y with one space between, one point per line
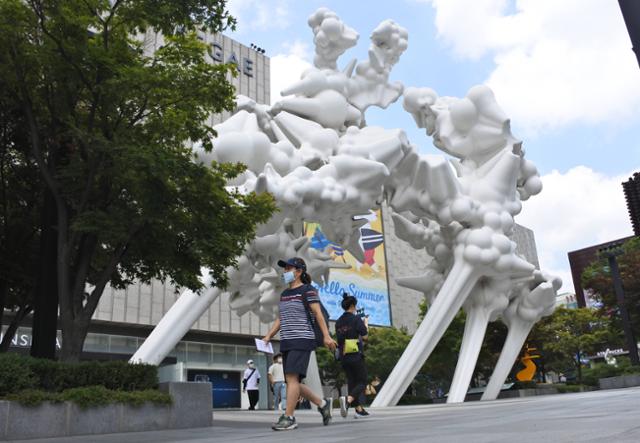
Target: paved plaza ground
601 416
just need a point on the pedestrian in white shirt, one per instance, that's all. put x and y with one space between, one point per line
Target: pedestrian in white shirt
278 386
250 383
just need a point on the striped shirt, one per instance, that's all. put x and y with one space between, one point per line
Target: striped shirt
296 331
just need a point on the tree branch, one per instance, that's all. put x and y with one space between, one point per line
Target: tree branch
24 310
37 8
107 272
83 264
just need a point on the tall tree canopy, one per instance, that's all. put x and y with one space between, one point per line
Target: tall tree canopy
108 128
568 335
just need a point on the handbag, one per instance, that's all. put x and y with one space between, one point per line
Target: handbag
351 345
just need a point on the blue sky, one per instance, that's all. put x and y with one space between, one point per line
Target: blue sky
563 71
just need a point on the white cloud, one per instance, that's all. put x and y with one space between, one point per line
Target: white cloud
556 62
260 15
287 68
577 209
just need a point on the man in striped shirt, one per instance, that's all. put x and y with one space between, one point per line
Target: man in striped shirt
297 338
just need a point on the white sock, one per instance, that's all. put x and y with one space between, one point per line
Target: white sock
324 403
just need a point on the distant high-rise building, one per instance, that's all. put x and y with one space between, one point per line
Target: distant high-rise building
632 193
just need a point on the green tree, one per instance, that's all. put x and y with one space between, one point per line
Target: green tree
20 194
568 335
597 280
108 127
383 350
441 364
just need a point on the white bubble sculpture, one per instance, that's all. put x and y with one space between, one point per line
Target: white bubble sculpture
314 153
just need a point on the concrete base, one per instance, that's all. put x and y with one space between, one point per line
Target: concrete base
192 404
621 381
191 408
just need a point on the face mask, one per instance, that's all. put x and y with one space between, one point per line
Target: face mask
288 277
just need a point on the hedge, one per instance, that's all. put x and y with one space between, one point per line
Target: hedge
591 376
90 396
19 373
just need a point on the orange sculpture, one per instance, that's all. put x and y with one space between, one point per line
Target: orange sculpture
529 366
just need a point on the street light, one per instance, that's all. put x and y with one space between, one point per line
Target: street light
611 252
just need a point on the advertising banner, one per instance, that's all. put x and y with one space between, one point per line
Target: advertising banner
367 280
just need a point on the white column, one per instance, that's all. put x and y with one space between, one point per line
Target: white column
175 324
516 337
475 328
312 380
448 302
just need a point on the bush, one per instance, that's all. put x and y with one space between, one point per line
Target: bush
34 397
529 384
590 376
415 400
15 374
564 389
18 373
91 396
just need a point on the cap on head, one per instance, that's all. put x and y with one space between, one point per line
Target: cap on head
295 262
249 362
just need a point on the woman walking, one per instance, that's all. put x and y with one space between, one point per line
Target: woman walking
299 304
351 331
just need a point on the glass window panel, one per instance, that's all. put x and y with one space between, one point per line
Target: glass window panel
96 343
199 352
224 354
123 345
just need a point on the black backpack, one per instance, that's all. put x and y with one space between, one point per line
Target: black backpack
314 324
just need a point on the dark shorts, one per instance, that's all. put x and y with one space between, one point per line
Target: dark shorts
296 361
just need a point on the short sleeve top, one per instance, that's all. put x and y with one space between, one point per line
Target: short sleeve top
296 331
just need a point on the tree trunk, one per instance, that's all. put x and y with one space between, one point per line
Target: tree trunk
73 336
45 317
4 289
13 327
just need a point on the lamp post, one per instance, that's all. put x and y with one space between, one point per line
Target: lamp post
611 252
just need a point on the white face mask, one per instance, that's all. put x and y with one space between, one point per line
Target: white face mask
288 277
278 360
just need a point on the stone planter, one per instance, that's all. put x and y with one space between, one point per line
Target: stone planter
191 408
621 381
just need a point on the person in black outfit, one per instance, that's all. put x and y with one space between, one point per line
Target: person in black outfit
351 331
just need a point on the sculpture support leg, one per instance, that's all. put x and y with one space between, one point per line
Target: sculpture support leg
448 302
516 337
174 325
475 328
312 380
